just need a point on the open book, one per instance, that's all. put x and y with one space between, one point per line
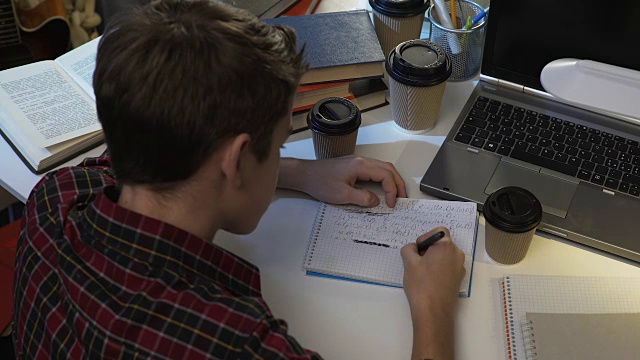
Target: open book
47 109
363 244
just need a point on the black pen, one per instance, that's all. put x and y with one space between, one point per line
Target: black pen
424 245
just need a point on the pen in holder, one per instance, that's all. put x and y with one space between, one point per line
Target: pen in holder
463 46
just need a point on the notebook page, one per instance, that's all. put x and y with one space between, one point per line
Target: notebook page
581 336
364 244
564 295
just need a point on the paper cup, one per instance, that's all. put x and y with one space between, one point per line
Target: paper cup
330 146
397 21
512 215
415 109
334 123
392 31
418 71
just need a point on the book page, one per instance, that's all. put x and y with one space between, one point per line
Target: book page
43 101
80 64
364 243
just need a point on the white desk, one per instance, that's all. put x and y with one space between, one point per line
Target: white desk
347 320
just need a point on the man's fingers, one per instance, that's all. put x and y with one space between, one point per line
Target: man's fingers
373 172
401 186
361 197
401 189
425 236
409 253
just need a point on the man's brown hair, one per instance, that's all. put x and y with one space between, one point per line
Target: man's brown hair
176 78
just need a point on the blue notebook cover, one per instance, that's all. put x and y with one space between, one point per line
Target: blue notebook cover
335 39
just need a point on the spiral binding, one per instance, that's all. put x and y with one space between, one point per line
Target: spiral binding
530 349
317 224
508 319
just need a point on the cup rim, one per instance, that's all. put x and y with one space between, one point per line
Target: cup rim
418 81
399 12
513 223
345 127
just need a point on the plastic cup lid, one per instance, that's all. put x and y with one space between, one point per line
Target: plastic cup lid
334 116
513 209
399 8
419 63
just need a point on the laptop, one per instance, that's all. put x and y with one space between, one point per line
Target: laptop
583 166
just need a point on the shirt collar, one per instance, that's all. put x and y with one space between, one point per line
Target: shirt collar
166 246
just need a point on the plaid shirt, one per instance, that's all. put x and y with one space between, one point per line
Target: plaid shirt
94 280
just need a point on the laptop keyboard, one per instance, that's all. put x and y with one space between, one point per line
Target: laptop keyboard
576 150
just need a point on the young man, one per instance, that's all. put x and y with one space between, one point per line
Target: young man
115 258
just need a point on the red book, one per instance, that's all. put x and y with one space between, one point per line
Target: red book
304 7
307 95
313 87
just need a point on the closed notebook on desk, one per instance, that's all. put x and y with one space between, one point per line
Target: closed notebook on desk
551 336
522 295
338 46
362 244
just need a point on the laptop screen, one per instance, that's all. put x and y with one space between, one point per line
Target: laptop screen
525 35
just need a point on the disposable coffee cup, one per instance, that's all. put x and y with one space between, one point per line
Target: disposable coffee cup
418 71
512 215
334 123
397 21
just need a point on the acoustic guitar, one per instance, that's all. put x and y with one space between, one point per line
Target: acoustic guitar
32 30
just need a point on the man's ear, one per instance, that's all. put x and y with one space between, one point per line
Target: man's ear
234 156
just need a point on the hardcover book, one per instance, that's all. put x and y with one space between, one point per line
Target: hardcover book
263 9
338 46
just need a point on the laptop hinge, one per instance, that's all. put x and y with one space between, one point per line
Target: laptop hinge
510 85
502 83
489 79
538 93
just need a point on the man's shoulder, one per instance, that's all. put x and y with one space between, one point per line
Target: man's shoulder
63 189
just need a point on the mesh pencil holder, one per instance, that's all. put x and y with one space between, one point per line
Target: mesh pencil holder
464 47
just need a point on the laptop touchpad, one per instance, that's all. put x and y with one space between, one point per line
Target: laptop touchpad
554 193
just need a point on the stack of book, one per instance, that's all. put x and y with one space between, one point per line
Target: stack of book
345 60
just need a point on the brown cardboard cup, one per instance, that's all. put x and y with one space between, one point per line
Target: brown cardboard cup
392 31
507 248
415 109
512 215
330 146
418 71
334 123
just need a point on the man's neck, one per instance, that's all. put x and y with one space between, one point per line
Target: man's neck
180 209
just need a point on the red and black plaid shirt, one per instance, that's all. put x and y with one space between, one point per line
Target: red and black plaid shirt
94 280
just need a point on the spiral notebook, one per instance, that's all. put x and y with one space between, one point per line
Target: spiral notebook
581 336
523 295
363 244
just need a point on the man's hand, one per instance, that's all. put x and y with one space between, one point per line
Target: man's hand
431 284
333 180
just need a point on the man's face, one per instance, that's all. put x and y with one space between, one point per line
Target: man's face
260 186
